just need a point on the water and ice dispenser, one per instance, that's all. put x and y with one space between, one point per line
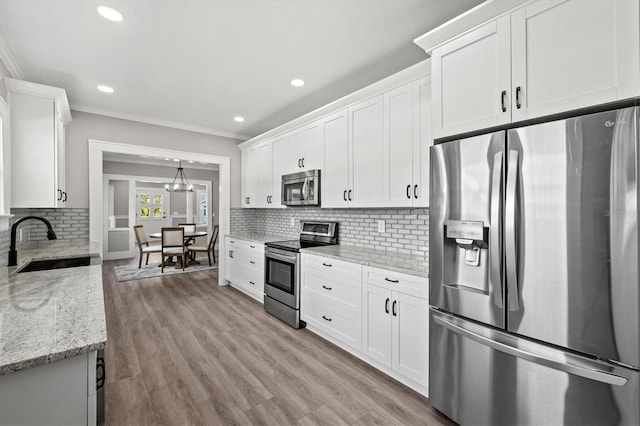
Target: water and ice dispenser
470 236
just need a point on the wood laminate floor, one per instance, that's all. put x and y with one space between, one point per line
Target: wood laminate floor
182 350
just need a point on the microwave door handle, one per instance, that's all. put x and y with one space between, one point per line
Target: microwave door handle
305 189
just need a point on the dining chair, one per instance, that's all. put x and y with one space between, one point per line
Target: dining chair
189 228
209 248
173 245
143 244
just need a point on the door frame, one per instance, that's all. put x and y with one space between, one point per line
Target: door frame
97 148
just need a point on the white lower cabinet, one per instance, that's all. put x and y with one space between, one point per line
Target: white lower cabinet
61 392
245 267
331 298
377 315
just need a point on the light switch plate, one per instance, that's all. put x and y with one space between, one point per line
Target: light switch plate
381 226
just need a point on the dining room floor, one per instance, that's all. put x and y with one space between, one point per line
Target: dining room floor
183 350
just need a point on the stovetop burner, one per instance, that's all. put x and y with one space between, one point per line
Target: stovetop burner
293 245
312 234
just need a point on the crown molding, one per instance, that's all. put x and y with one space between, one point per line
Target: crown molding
9 61
158 122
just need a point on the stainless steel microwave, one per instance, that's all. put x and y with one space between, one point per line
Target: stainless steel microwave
301 189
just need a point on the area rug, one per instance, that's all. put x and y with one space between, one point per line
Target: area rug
152 270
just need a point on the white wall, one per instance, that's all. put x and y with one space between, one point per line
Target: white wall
4 72
85 126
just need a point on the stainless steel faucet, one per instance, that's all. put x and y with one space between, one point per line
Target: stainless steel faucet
13 254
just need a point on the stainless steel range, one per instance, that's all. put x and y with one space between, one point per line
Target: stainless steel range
282 269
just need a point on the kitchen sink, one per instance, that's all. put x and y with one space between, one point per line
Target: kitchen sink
44 265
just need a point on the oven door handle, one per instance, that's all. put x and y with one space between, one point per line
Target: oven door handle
282 257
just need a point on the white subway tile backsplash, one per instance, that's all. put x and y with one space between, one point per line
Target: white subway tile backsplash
407 230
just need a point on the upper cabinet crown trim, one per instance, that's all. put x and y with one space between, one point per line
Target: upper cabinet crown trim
414 72
35 89
473 18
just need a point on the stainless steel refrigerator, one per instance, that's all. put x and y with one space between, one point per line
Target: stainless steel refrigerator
534 316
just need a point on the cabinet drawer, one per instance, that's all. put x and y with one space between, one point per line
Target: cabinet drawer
345 290
337 319
397 281
337 267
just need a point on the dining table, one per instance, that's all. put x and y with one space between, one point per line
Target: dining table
189 238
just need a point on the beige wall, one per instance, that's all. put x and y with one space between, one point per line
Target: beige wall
85 126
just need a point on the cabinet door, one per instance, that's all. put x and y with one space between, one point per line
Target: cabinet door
572 54
265 172
293 157
249 177
33 152
398 146
279 155
411 337
366 130
378 324
336 173
312 155
231 270
471 80
422 141
60 159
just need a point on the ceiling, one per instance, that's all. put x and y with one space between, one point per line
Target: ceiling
157 161
196 64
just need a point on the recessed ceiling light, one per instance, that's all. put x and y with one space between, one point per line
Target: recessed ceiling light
105 89
176 159
110 14
296 82
191 161
238 119
168 159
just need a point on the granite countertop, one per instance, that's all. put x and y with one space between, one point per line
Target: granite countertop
392 261
47 316
260 238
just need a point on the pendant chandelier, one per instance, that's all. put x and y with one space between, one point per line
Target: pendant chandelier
180 182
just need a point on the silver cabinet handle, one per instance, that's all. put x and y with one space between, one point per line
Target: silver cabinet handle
326 319
303 162
561 365
299 159
408 189
327 264
415 192
510 230
390 280
349 195
326 288
518 91
495 235
386 306
503 96
345 195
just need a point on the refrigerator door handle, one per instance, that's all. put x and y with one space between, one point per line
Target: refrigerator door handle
510 232
586 372
494 238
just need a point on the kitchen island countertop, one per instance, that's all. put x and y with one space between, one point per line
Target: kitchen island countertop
46 316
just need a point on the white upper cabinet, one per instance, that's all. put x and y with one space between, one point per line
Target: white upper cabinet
336 175
471 79
38 116
543 58
307 151
279 156
250 177
366 137
407 138
571 54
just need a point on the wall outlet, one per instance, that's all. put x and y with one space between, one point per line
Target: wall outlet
381 226
292 221
19 235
